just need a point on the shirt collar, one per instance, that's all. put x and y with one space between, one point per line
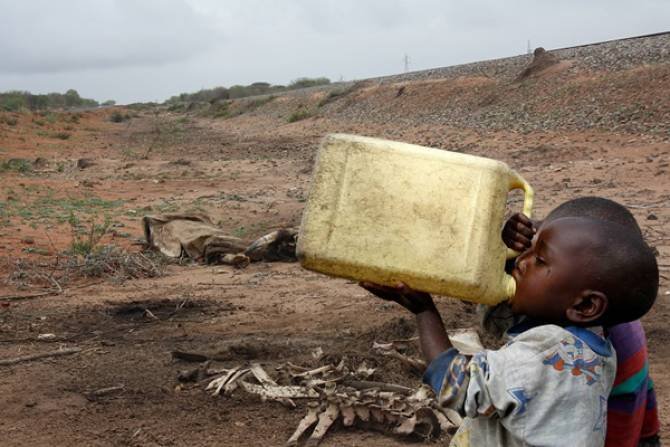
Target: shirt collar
596 342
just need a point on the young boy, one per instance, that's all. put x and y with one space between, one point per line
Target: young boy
550 384
632 416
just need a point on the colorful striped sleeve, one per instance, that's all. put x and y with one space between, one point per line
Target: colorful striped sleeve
632 413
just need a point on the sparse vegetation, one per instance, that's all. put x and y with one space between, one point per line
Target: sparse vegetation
108 261
114 262
219 94
62 135
84 239
336 94
9 120
307 82
50 117
19 165
118 117
299 114
49 209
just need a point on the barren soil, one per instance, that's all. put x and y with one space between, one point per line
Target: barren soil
251 173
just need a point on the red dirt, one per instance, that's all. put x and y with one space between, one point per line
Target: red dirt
251 174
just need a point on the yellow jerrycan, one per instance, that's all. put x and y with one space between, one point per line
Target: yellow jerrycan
389 212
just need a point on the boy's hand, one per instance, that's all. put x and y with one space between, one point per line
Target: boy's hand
518 232
412 300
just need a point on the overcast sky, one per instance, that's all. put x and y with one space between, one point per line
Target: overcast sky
144 50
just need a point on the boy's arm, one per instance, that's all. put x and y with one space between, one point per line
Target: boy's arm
448 372
432 334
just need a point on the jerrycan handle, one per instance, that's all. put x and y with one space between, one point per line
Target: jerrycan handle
517 182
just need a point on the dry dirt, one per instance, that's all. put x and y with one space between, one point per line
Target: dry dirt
251 174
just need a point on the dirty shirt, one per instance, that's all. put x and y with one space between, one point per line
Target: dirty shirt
547 386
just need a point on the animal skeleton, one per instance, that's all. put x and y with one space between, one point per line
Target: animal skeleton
335 392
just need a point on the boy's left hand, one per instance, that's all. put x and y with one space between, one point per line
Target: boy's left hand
518 232
412 300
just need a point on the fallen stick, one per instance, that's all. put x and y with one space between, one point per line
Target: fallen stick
221 284
105 391
27 297
417 364
29 358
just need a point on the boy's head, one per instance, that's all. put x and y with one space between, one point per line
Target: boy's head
585 271
596 208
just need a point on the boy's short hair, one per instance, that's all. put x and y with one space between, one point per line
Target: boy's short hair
596 208
629 301
627 272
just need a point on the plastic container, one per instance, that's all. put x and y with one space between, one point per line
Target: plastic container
385 212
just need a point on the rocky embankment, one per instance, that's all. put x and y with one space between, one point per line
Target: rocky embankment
611 86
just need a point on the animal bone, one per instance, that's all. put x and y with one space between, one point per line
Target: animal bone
279 392
348 415
326 419
265 380
219 382
305 423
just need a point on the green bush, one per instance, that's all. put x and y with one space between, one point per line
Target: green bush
118 117
299 114
62 135
85 240
14 101
307 82
19 165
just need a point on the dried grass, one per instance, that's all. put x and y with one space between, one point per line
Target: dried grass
109 262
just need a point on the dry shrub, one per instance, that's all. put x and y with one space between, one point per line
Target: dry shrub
109 262
115 263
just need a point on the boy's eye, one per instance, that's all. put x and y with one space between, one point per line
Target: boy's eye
539 260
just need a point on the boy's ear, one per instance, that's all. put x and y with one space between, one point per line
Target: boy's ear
587 307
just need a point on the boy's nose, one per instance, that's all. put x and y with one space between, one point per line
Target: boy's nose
520 262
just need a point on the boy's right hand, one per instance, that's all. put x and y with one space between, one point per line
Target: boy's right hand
518 232
412 300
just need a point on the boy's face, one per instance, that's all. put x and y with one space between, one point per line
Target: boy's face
553 271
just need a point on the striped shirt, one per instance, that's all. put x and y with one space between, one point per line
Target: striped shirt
632 414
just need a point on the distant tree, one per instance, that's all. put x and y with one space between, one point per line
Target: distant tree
17 100
13 101
109 102
241 91
220 93
37 102
72 98
307 82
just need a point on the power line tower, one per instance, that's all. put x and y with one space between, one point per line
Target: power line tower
528 47
406 61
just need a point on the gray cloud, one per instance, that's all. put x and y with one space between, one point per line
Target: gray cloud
46 36
138 50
